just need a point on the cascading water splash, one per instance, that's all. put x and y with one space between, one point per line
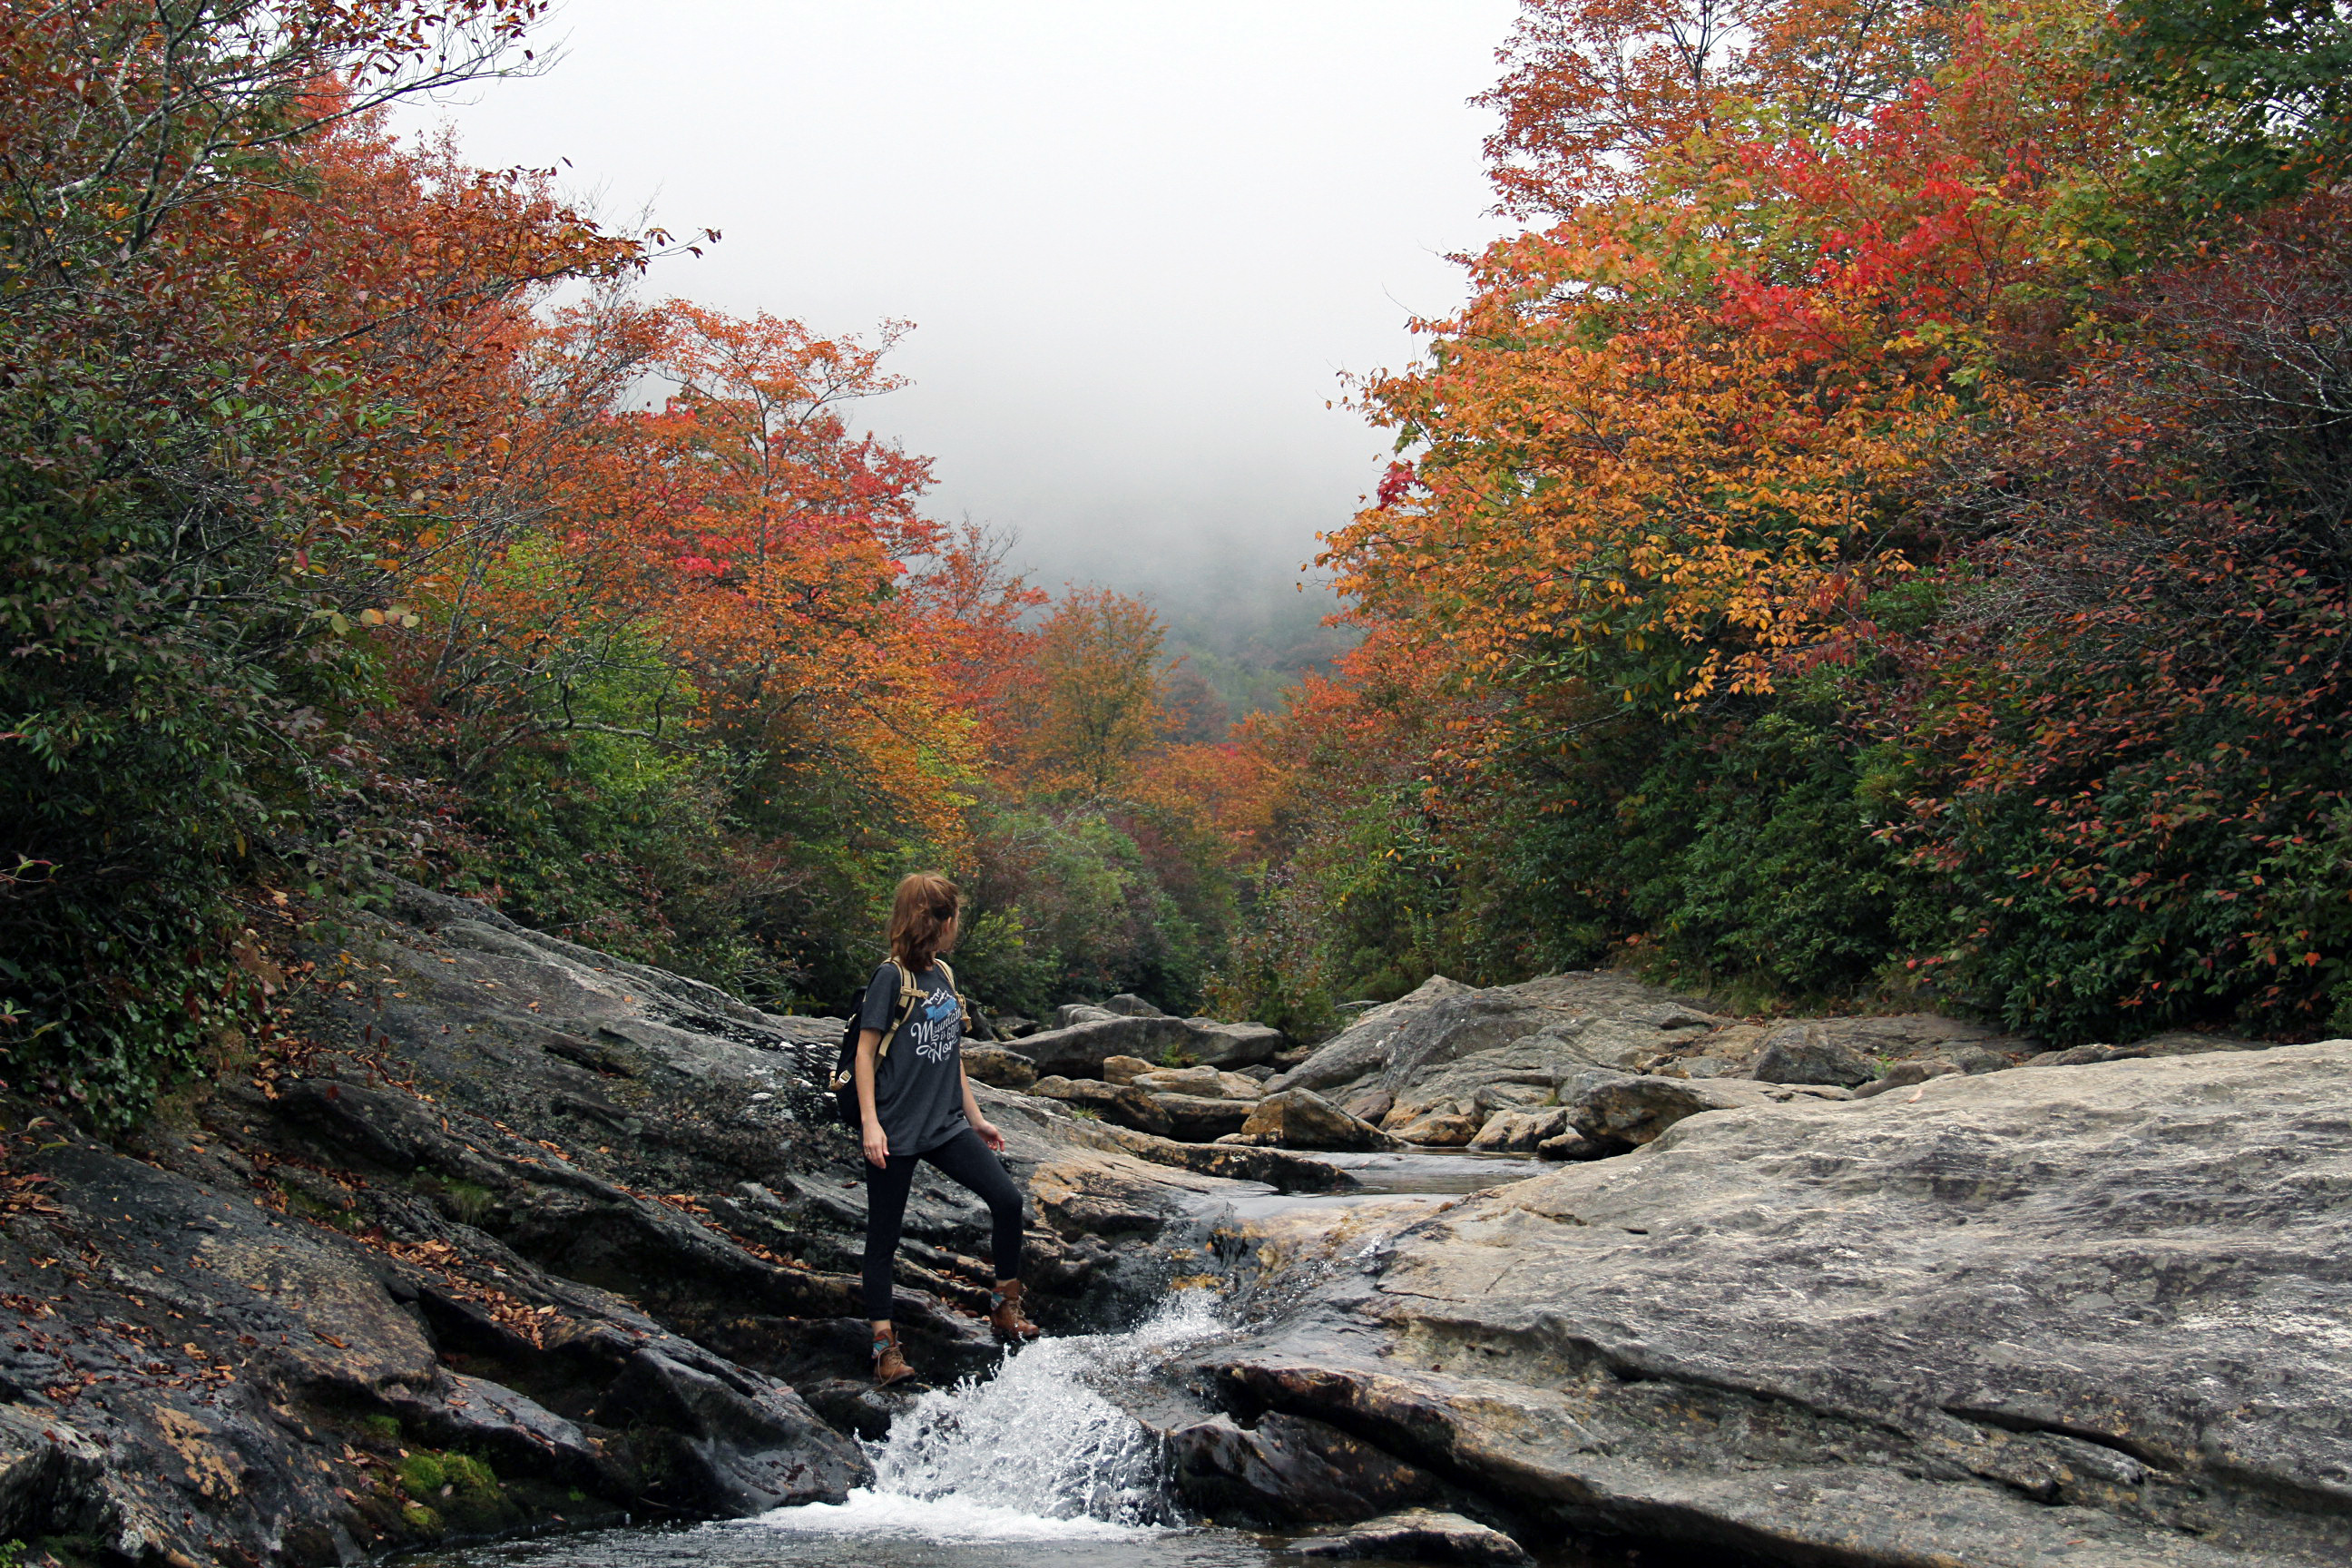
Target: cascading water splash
1035 1452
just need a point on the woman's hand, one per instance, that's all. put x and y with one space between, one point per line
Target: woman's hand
877 1144
988 1133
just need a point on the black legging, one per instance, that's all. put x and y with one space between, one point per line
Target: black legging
962 1159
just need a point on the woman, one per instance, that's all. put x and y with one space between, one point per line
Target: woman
916 1104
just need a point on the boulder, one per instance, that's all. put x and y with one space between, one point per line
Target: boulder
1437 1129
2086 1314
995 1065
1368 1104
1361 1048
1202 1119
1220 1044
1079 1049
1521 1131
1121 1104
1301 1119
1206 1083
1127 1005
1014 1026
1420 1535
1807 1054
1288 1470
1574 1145
1635 1108
1126 1069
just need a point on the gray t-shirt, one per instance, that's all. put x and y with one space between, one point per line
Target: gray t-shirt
918 1086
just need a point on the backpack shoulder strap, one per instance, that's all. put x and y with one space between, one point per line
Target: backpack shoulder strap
910 996
963 1007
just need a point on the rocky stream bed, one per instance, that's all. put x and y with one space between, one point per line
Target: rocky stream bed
532 1242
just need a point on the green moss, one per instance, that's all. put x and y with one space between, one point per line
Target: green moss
473 1478
467 1201
420 1519
421 1475
382 1429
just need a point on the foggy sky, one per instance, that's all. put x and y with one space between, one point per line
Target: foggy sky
1139 242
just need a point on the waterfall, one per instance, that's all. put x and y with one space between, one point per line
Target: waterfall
1035 1452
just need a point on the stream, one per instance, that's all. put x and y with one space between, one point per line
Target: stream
1033 1467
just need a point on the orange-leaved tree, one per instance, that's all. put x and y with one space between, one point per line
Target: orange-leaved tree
1657 458
1092 705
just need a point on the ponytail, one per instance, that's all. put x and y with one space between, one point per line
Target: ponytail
926 901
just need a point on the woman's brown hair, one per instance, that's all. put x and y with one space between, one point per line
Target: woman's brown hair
926 901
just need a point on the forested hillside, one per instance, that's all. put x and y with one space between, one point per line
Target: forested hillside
367 514
1879 530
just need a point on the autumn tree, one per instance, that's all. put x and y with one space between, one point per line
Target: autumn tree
210 478
1094 705
1595 92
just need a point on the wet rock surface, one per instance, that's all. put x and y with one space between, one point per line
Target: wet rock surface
2083 1314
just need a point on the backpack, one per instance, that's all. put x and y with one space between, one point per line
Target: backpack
843 1086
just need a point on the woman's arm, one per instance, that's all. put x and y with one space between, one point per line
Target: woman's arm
876 1142
979 1124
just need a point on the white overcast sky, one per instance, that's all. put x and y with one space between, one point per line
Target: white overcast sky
1140 243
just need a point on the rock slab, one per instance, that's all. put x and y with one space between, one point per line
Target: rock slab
2081 1315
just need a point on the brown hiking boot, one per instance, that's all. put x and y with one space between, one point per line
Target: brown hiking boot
1004 1314
889 1366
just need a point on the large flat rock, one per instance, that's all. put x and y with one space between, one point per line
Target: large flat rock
2091 1315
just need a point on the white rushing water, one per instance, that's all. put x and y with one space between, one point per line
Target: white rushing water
1034 1452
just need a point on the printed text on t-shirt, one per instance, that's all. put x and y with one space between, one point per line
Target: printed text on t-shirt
935 1035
